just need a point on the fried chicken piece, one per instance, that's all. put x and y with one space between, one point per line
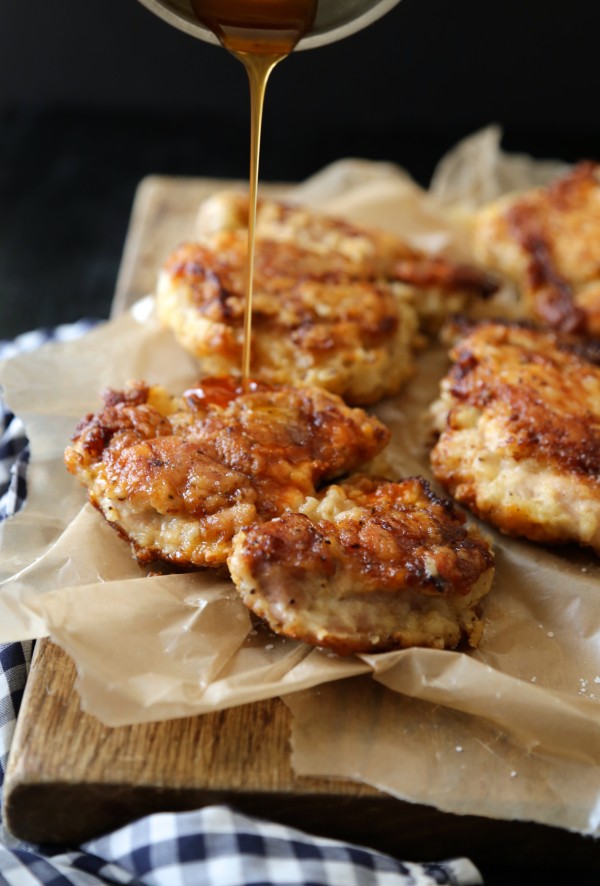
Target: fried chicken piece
519 424
547 241
179 476
368 566
311 323
334 304
360 252
357 251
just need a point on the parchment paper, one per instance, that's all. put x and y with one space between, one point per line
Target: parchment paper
511 730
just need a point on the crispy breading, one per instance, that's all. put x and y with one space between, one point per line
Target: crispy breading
519 424
547 241
369 565
311 324
335 304
361 252
179 476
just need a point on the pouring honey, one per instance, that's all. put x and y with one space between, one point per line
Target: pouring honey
260 33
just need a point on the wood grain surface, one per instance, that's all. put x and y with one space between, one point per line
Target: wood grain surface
71 778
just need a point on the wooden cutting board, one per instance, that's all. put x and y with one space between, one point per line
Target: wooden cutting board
71 778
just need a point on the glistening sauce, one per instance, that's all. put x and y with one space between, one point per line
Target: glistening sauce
259 33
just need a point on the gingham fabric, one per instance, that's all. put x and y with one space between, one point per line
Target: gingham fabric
14 453
213 846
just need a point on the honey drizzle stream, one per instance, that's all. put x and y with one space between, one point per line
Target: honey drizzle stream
259 33
258 68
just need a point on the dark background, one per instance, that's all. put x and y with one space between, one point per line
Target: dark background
94 96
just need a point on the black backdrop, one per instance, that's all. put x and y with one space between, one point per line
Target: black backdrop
93 96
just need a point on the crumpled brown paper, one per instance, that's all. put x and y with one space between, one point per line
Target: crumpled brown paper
511 730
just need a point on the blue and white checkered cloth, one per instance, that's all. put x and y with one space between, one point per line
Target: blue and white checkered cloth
213 846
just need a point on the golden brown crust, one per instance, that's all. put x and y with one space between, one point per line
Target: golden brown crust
292 290
357 251
312 321
519 422
547 241
370 565
334 304
179 476
437 272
